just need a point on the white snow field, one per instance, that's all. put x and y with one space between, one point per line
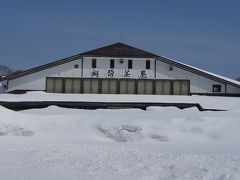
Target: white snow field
160 143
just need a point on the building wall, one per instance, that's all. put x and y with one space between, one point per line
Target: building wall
103 65
37 81
232 89
198 84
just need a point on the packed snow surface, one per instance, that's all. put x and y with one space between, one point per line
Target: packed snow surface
207 102
159 143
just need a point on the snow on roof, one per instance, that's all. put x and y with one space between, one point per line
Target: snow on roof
222 77
204 71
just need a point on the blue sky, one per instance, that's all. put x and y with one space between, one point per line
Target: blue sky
204 33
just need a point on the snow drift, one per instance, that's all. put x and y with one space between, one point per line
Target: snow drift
159 143
187 130
207 102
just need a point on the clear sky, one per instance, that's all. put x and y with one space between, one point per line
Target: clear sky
202 33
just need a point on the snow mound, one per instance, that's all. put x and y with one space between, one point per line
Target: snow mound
125 133
207 102
159 143
161 109
183 128
160 138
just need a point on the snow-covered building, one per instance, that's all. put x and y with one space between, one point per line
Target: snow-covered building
120 69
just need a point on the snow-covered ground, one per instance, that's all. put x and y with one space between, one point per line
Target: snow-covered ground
208 102
159 143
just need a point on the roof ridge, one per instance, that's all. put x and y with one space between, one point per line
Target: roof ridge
119 49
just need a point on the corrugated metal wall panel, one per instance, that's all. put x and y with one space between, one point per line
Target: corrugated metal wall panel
145 86
50 85
87 86
114 86
109 86
181 87
68 85
127 86
95 86
163 87
54 85
76 85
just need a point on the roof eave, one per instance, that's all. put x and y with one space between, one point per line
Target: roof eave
196 71
43 67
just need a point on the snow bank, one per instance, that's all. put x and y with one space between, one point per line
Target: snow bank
207 102
164 127
159 143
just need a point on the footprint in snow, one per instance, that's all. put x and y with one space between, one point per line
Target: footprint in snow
160 138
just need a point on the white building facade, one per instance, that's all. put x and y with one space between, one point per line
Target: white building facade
120 69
